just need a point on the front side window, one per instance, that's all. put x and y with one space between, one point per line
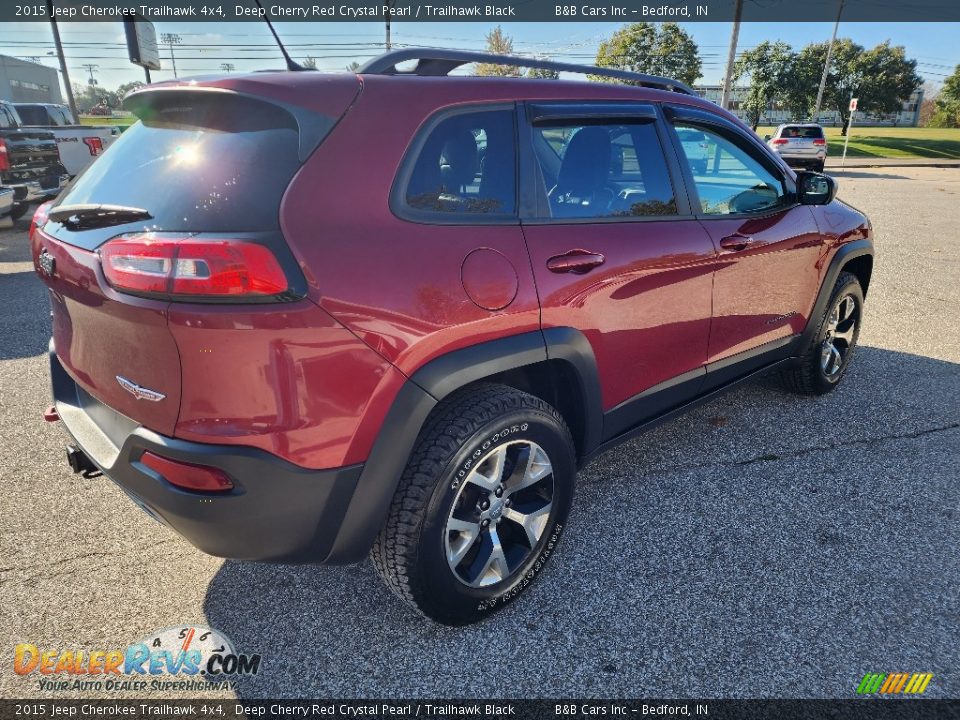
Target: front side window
466 165
728 179
603 170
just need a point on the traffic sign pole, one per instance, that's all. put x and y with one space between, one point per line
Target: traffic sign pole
846 139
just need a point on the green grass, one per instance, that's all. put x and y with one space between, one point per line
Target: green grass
121 122
889 142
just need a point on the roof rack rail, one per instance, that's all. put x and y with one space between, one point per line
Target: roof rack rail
437 62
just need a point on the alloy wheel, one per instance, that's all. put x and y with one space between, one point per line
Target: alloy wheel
840 336
500 513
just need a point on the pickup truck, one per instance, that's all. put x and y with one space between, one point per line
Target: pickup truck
79 144
29 165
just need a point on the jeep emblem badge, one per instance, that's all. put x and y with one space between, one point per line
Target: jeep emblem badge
138 391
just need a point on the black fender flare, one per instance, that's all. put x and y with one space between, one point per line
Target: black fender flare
420 394
846 253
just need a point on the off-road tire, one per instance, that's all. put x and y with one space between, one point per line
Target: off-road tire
18 211
411 554
808 376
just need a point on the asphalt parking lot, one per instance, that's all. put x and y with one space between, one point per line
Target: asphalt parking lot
764 546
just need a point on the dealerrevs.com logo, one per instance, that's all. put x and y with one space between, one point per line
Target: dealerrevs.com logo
189 657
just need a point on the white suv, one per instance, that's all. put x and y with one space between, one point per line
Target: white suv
800 145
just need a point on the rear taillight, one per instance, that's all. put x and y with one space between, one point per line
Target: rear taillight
185 265
39 217
819 141
780 141
188 476
4 156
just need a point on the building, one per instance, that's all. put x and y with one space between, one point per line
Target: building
908 115
24 81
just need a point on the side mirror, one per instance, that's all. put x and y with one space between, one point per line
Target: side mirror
766 138
815 189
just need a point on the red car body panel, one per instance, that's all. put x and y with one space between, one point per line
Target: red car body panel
765 292
274 378
100 334
645 311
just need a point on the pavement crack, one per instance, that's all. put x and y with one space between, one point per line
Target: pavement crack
61 561
773 457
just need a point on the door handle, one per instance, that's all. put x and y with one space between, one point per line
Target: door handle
575 261
737 242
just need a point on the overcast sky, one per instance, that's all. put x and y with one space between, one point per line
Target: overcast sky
249 46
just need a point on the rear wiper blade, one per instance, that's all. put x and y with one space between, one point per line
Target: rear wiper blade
85 217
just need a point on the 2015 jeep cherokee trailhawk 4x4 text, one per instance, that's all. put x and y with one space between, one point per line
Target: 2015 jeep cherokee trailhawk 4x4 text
304 317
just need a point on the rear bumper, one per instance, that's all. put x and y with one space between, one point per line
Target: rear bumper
805 160
277 511
34 190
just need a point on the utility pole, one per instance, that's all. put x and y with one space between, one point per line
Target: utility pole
63 62
90 67
171 39
731 55
227 67
826 65
387 19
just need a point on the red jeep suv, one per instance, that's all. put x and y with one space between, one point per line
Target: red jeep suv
302 317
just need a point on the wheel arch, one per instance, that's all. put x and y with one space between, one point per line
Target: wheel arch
855 257
862 267
556 365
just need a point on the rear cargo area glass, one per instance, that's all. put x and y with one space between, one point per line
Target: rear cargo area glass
198 161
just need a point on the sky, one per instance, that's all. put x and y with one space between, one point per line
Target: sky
249 46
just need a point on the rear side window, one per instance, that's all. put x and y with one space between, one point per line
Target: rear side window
466 165
792 131
603 170
198 161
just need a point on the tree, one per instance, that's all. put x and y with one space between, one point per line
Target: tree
310 63
769 66
88 97
881 78
353 67
499 44
128 88
542 73
645 48
947 104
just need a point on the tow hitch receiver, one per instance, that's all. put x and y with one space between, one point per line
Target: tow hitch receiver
79 462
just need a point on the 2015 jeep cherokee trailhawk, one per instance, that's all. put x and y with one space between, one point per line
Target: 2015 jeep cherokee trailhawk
304 317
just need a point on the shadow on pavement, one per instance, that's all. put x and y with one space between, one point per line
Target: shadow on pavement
764 545
841 173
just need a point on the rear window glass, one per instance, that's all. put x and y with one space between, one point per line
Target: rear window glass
801 132
33 115
467 164
198 161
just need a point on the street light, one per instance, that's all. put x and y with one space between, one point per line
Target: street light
171 39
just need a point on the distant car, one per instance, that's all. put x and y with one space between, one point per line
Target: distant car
79 144
29 165
697 149
800 145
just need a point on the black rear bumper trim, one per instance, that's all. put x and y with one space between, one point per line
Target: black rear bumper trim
278 511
